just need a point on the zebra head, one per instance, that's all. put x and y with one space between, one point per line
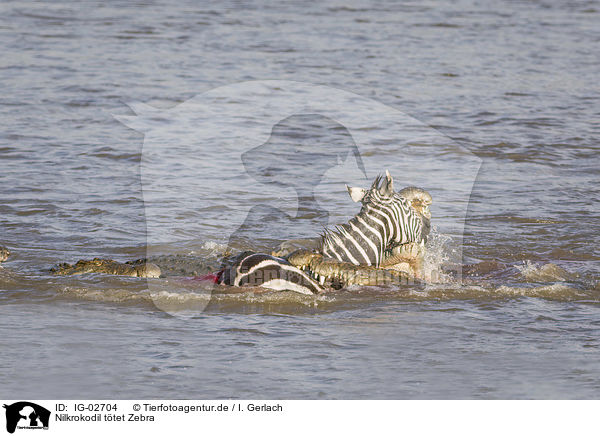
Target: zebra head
386 219
381 188
398 208
382 191
420 200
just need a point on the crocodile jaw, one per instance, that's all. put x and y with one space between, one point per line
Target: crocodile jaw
341 273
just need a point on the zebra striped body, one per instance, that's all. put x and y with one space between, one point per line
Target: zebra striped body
385 220
259 269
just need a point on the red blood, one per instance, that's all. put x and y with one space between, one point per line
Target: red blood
210 277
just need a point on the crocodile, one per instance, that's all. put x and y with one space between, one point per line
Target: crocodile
398 268
400 263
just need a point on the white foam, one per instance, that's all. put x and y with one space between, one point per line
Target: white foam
544 273
557 291
214 247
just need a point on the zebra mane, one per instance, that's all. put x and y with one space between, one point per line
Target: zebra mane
376 182
338 231
328 235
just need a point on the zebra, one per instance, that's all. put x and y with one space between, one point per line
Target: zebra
386 219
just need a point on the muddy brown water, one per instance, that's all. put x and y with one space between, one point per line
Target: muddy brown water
510 96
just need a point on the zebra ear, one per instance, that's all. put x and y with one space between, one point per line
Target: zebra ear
357 194
388 186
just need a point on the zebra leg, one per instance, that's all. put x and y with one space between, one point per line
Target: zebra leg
264 270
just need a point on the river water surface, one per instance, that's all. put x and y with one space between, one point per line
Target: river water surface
258 114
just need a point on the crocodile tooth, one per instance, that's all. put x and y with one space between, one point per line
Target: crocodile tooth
322 280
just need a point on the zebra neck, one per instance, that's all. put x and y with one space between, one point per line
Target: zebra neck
361 241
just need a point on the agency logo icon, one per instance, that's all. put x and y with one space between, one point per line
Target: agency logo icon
26 415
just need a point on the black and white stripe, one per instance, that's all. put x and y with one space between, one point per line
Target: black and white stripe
259 269
386 219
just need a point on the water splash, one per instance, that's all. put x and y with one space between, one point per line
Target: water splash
441 262
549 272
